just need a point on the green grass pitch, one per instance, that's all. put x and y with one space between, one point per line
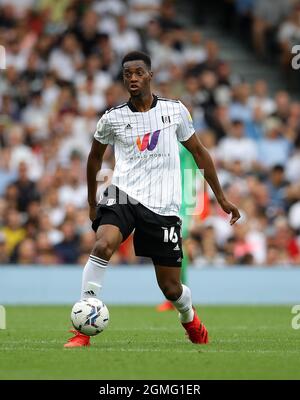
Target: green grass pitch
247 342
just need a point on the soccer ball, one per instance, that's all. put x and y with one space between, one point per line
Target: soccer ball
90 316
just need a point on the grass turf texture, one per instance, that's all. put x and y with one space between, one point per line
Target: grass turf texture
246 343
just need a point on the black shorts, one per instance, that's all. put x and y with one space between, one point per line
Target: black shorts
155 236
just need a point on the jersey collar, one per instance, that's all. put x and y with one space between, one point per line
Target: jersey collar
133 108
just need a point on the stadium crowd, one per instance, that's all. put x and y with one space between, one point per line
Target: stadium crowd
270 27
62 73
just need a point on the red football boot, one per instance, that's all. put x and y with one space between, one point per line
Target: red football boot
196 330
79 340
165 306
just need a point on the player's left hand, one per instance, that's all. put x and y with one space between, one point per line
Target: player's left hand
230 208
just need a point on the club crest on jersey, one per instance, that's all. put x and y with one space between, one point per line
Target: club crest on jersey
165 118
148 143
110 202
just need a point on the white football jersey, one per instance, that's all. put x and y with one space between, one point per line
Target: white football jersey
146 151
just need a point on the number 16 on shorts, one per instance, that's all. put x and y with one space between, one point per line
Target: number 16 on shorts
170 234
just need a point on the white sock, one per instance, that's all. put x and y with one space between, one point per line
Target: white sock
92 276
184 305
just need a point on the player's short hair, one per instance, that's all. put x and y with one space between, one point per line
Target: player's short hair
137 55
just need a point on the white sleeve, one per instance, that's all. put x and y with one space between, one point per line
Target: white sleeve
185 127
104 131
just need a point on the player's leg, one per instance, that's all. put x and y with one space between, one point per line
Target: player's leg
159 237
186 219
168 279
167 304
114 222
108 239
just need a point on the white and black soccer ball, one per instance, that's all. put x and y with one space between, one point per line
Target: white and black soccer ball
90 316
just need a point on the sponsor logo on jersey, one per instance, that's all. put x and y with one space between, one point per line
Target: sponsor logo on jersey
148 143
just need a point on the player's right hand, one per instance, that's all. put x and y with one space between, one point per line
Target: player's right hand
92 213
230 208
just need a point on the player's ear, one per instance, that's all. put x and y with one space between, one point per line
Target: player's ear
151 74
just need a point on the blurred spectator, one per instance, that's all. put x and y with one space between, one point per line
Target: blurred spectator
277 192
284 240
240 108
45 250
254 129
125 39
73 191
7 175
203 250
194 51
25 187
219 121
45 224
52 206
11 195
237 147
66 59
109 8
12 229
87 34
35 118
211 62
282 111
67 250
93 70
261 99
89 100
19 151
25 252
273 148
142 11
243 249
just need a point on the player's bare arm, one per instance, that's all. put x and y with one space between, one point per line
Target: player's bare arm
205 162
93 165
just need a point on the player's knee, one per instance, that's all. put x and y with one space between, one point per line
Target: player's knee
171 290
103 248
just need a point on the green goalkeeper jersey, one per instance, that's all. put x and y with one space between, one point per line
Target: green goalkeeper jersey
188 183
